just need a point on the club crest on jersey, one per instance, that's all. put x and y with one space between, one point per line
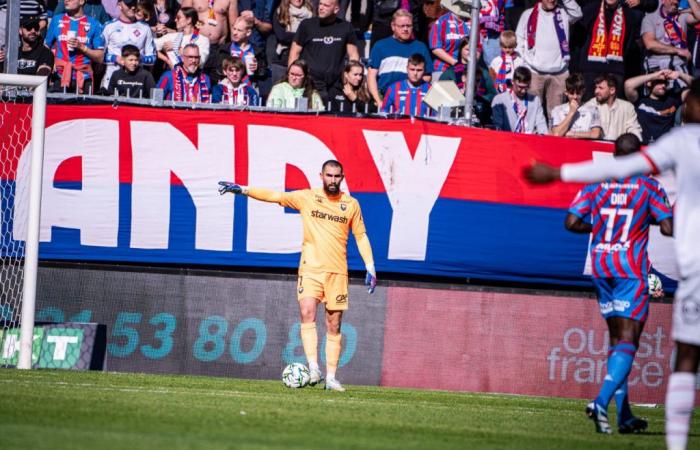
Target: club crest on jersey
301 289
319 199
343 206
137 33
87 26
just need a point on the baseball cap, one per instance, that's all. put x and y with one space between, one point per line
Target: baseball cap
29 21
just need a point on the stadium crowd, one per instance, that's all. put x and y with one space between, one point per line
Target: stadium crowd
577 68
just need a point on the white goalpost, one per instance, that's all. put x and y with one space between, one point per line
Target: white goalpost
18 276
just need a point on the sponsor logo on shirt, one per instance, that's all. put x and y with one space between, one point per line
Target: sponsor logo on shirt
321 215
342 298
328 40
607 247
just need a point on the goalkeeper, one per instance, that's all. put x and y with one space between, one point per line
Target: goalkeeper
327 215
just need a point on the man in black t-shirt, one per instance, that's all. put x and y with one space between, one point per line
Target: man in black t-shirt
131 80
656 112
34 57
323 42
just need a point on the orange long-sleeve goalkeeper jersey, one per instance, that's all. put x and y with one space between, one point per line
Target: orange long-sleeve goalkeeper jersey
327 222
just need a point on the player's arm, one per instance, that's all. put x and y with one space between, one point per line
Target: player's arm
265 195
363 245
576 224
666 226
591 171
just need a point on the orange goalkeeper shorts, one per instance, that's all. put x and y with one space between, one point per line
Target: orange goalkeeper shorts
329 288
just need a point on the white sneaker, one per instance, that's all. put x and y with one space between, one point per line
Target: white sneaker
315 377
334 385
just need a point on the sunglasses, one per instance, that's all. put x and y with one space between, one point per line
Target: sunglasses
31 26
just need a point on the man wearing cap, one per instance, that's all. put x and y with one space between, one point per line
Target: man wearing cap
126 30
34 57
76 41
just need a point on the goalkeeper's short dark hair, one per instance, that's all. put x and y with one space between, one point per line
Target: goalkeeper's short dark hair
332 163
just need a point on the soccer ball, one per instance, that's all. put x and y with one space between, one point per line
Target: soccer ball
295 375
656 289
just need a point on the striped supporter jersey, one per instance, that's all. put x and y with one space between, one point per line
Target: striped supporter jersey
446 34
621 212
88 31
404 98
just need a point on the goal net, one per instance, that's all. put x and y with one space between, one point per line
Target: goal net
22 115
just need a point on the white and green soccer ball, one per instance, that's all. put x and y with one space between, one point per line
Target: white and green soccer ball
296 375
656 289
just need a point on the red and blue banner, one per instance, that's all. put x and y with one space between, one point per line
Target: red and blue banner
138 184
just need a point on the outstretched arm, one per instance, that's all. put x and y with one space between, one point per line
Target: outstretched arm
591 171
265 195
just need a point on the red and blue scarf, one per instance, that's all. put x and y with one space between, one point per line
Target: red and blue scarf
558 26
192 90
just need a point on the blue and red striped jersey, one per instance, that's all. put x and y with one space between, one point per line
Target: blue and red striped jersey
404 98
446 33
88 31
621 212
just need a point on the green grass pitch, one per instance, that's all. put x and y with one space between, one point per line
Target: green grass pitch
93 410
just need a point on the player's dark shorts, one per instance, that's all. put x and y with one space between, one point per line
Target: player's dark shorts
623 297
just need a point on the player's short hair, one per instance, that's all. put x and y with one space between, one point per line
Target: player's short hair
522 75
416 59
508 39
626 144
130 50
575 83
608 79
232 61
332 163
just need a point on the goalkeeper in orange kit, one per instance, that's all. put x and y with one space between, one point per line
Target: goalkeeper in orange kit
327 214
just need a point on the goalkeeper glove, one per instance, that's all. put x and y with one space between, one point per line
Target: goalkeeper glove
226 186
371 279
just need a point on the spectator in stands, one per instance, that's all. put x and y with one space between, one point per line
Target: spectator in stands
406 96
216 17
608 34
166 11
382 13
616 116
146 12
572 119
76 41
664 36
28 8
242 48
91 8
34 58
543 43
285 22
517 111
458 74
352 95
131 80
232 90
296 85
126 30
502 67
446 33
259 12
170 45
656 112
324 42
492 20
186 82
388 59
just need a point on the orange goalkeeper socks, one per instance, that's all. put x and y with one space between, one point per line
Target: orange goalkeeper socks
332 354
309 338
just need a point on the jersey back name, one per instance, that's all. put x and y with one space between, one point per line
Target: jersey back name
621 212
327 223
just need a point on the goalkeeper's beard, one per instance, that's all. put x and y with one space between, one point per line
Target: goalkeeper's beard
332 189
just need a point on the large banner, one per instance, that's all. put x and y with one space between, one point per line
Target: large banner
137 184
